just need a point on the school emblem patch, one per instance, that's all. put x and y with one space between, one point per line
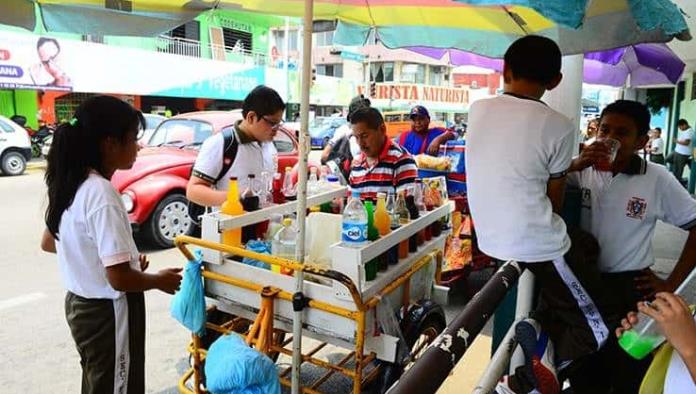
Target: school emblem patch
636 208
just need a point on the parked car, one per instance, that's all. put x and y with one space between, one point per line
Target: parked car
323 128
151 123
154 189
15 147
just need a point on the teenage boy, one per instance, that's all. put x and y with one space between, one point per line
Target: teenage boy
657 147
679 158
621 207
518 153
252 147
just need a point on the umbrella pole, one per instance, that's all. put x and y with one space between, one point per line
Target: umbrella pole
298 298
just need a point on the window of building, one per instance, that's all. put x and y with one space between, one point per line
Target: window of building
437 75
323 39
237 39
330 70
382 72
188 31
413 73
279 40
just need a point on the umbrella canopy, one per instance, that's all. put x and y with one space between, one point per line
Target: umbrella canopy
636 65
486 29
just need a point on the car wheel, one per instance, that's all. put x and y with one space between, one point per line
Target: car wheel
170 219
13 163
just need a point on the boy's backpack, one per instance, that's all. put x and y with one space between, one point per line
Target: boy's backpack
229 154
341 155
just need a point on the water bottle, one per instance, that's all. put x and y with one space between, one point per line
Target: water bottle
283 245
354 232
645 336
312 182
289 191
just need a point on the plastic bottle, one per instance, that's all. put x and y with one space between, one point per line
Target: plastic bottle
645 336
391 209
418 193
312 182
250 202
284 244
289 190
401 212
354 233
232 207
382 219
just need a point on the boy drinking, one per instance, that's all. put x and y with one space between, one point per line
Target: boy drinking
621 207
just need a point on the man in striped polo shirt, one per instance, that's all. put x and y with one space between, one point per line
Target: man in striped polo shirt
383 165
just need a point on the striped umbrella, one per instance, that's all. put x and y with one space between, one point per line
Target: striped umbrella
634 66
485 27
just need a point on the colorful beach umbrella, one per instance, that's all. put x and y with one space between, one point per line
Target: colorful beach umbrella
633 66
484 27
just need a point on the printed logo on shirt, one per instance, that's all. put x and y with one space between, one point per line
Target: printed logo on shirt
636 208
586 201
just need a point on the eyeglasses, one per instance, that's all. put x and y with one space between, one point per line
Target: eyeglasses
50 60
274 125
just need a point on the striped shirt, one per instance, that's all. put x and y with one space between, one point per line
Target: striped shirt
395 170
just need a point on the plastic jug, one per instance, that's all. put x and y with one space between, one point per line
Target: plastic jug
284 244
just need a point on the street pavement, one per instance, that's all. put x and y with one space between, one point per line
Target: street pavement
37 352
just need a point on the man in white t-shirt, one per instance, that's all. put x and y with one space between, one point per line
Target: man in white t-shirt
682 150
621 207
518 152
657 147
343 147
262 113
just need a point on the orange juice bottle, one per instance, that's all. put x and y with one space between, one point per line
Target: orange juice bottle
233 207
382 220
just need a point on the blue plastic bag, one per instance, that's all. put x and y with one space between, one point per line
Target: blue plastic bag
258 246
232 367
188 304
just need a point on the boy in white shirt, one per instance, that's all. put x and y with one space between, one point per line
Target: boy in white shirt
682 150
621 207
657 147
518 153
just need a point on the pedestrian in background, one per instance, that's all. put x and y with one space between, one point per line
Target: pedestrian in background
87 226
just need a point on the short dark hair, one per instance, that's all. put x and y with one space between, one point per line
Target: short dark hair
634 110
658 129
262 100
46 40
368 115
356 103
534 58
682 122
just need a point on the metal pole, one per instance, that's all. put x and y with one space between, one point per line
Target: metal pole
525 298
432 368
496 367
302 190
286 59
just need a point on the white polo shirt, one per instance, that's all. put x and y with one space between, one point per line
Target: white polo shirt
687 134
94 233
621 211
514 146
253 157
658 144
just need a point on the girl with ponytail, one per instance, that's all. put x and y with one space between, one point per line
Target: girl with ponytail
87 227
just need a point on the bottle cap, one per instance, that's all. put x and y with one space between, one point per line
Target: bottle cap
252 176
355 194
233 178
287 222
381 195
332 178
288 169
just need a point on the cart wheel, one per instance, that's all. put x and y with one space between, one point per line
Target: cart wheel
424 322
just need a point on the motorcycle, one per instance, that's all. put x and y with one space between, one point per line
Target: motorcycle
39 139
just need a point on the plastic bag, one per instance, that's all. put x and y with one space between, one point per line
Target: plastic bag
232 367
188 304
258 246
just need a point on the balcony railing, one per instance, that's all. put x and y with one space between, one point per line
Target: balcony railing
192 48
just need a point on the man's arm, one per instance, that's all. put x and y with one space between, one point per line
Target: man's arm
201 192
434 146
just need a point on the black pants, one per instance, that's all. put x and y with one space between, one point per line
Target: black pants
658 159
110 338
612 370
677 162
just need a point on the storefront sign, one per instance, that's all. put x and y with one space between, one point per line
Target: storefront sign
404 96
358 57
29 61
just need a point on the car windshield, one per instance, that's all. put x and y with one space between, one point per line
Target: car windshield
181 132
152 121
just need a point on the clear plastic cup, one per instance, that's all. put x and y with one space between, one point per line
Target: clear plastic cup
613 145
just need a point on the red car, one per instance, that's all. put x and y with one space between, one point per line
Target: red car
154 190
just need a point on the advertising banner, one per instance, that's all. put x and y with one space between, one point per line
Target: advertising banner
29 61
405 96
